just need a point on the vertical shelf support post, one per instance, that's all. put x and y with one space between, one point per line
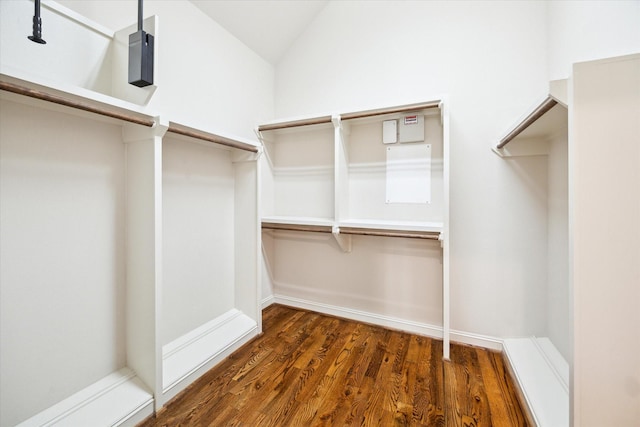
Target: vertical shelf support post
444 236
144 253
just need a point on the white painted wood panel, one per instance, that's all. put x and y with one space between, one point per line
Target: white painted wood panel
62 256
198 227
604 157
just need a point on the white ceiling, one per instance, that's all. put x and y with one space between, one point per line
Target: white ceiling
268 27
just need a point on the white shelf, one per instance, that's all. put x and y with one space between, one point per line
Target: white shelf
529 135
115 400
427 227
328 174
296 220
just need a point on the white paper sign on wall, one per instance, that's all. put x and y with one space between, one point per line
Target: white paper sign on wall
409 173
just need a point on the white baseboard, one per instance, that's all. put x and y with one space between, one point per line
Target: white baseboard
479 340
119 399
362 316
266 302
543 389
419 328
190 356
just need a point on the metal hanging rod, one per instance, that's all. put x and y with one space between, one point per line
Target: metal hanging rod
295 123
209 137
55 99
297 227
352 231
545 106
390 233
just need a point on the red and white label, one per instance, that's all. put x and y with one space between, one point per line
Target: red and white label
410 120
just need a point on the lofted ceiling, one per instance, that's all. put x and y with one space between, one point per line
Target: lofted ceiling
268 27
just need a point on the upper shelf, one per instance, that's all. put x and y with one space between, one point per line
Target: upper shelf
327 119
546 118
113 108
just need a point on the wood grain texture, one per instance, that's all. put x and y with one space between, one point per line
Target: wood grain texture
309 369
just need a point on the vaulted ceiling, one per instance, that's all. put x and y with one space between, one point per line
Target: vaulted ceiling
268 27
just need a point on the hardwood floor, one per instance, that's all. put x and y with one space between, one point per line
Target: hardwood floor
309 369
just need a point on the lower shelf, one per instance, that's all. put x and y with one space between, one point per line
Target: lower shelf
119 399
543 377
191 355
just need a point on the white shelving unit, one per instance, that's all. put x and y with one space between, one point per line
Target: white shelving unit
540 370
128 319
329 174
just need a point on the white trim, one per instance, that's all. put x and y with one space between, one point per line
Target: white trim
266 302
362 316
479 340
544 392
391 322
190 356
554 359
118 399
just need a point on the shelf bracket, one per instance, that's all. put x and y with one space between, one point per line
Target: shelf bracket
344 241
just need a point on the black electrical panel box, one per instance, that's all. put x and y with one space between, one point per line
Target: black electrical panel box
141 59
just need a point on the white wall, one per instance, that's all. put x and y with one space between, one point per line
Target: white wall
558 301
87 64
490 57
62 269
198 236
586 30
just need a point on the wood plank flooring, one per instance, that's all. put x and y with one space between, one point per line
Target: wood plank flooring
309 369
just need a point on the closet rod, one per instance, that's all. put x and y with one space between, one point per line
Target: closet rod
383 111
37 94
297 227
295 123
389 233
221 140
545 106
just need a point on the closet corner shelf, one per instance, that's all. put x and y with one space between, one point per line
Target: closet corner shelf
545 119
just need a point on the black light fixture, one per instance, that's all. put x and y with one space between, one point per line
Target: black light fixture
140 55
37 25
